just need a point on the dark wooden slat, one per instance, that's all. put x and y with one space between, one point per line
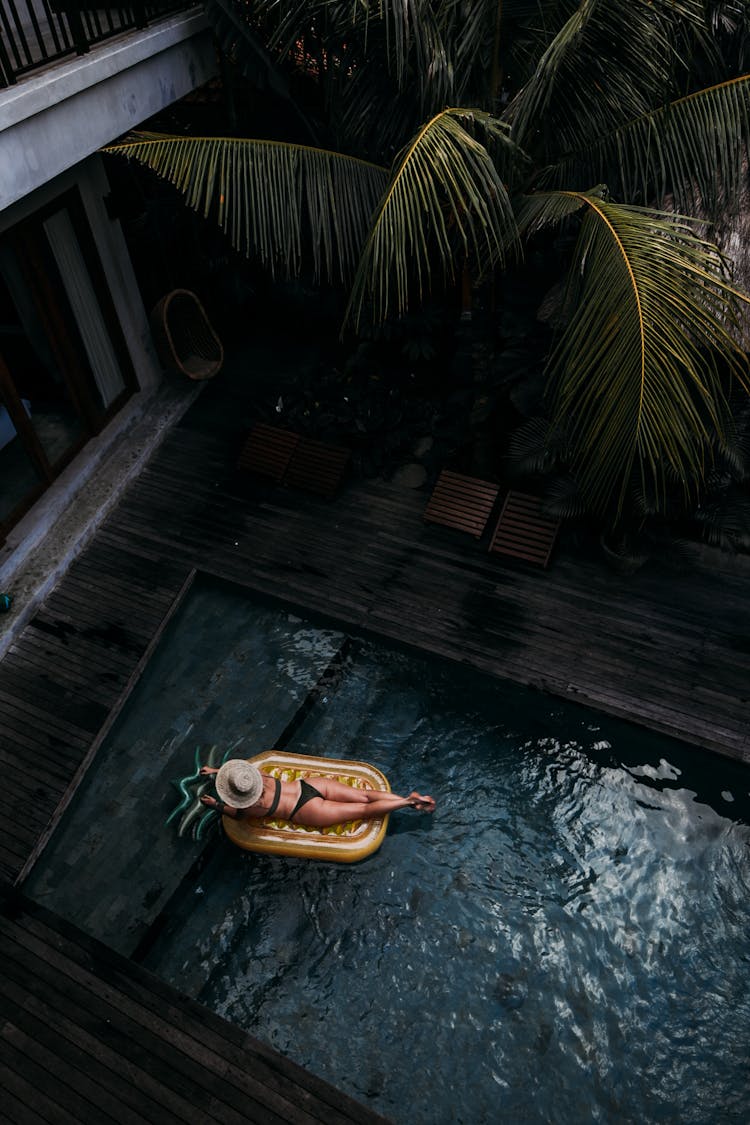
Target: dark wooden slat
461 502
24 1056
57 993
51 696
223 1047
11 703
23 1090
317 467
267 451
165 1056
523 531
46 1044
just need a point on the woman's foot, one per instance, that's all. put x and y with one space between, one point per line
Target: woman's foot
421 803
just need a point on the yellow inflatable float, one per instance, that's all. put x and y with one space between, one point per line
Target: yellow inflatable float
342 843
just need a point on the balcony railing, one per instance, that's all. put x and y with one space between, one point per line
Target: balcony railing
34 33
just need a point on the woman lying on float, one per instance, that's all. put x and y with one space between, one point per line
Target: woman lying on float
246 793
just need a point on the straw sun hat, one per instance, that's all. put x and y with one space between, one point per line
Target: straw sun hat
239 783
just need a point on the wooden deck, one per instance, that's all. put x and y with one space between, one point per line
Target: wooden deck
87 1036
670 652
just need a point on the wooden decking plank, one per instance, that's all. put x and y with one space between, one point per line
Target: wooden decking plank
18 1112
116 598
108 1096
28 1093
74 616
161 1074
21 733
79 650
83 713
149 1099
100 566
39 793
41 718
200 1071
33 663
223 1046
37 768
43 1069
14 843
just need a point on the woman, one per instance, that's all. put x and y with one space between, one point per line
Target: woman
243 791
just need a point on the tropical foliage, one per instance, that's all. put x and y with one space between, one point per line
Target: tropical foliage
449 135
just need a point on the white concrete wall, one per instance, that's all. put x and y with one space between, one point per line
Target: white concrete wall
54 119
52 125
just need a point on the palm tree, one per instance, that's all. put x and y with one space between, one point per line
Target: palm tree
450 134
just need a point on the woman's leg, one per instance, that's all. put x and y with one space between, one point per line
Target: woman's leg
322 813
334 790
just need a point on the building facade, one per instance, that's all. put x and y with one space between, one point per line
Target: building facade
77 363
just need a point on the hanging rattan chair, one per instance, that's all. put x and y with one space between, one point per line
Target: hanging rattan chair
184 337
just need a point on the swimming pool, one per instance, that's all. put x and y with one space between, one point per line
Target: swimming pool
566 939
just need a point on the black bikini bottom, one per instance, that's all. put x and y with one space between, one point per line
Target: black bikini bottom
307 792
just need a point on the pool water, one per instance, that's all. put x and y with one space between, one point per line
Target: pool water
566 939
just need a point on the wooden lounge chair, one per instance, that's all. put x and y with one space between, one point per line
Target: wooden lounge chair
523 530
462 502
184 338
317 467
293 460
267 451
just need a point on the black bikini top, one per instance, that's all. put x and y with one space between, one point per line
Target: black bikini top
276 798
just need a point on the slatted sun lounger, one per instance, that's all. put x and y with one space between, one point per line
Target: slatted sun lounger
317 467
267 451
523 531
295 461
461 502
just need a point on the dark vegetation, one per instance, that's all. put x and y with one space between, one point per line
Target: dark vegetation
526 361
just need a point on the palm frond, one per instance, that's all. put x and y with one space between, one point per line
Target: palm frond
237 39
640 373
445 199
273 200
694 148
415 46
532 448
608 64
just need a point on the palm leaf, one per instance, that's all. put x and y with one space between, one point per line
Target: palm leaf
273 200
445 201
639 375
609 63
694 148
229 22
